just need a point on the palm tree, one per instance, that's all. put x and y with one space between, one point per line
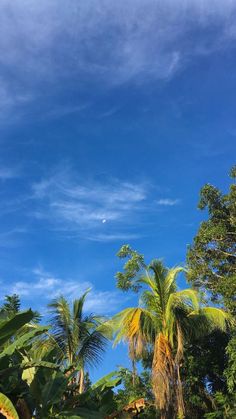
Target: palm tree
164 319
81 338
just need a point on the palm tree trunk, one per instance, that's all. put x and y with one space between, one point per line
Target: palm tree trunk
134 372
178 382
179 394
81 381
163 375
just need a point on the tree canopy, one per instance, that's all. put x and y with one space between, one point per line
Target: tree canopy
212 256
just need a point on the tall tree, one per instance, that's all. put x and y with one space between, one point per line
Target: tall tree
165 319
11 305
81 338
212 256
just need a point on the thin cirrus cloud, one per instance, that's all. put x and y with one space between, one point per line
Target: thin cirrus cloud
12 237
95 210
45 286
7 173
109 41
167 202
113 237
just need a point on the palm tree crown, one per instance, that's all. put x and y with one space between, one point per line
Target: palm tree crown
81 338
164 319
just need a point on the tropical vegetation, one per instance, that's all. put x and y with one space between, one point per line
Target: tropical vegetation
181 341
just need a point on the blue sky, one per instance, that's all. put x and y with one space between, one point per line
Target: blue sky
112 116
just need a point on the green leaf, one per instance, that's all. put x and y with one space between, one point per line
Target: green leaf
20 342
9 327
81 414
6 408
110 380
53 390
30 369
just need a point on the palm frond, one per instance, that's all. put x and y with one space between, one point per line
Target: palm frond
178 307
61 324
106 329
149 281
152 304
207 319
170 279
78 306
217 317
92 348
186 299
81 338
133 322
159 269
159 277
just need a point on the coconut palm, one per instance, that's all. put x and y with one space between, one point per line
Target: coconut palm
81 338
164 319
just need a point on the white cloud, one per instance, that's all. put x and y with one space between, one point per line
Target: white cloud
168 202
44 286
73 205
44 43
114 237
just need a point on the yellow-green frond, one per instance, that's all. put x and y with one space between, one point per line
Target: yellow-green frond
149 281
216 317
186 299
132 322
170 279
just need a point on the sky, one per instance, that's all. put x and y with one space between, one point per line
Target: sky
113 115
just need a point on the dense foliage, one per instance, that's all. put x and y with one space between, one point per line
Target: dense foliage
212 264
212 257
182 348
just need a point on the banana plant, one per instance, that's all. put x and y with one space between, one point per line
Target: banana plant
6 408
17 334
55 399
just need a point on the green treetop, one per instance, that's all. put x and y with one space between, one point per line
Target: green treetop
212 256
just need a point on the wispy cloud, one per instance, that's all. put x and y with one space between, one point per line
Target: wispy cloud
7 173
168 202
110 112
93 209
64 110
114 237
110 42
45 286
12 237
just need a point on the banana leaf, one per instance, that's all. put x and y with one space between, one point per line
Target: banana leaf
8 328
6 408
20 342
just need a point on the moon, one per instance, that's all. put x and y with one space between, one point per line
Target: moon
104 221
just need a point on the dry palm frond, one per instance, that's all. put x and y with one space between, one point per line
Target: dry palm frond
133 323
140 345
137 346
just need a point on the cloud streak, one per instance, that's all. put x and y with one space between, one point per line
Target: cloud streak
99 211
168 202
44 286
43 44
7 173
